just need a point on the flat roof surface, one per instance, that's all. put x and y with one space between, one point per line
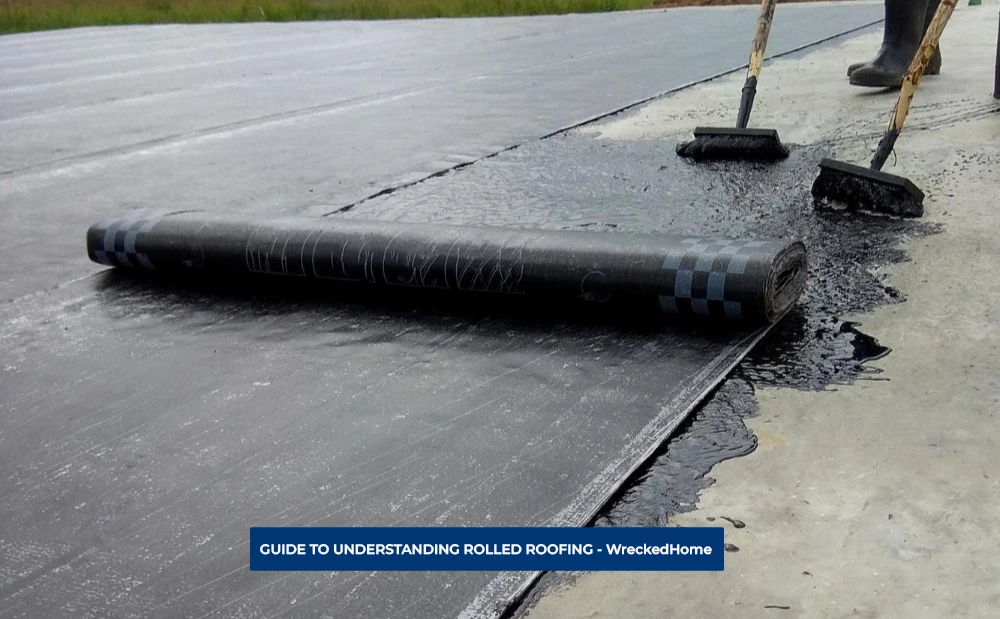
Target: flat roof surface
144 430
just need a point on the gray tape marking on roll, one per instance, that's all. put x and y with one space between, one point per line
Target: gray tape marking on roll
700 307
672 261
716 286
112 232
109 240
682 284
123 256
738 264
705 261
668 304
132 235
733 310
133 232
697 248
109 236
99 254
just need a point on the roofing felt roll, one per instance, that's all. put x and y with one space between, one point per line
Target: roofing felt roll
747 280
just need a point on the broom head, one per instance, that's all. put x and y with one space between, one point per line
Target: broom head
727 143
850 187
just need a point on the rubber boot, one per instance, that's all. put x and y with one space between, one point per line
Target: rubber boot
934 66
905 23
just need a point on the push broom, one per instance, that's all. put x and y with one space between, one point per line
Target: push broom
741 143
856 187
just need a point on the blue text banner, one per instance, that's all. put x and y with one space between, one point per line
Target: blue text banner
486 549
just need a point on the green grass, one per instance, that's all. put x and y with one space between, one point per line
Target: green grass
30 15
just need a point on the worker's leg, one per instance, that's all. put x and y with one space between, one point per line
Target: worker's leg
935 64
905 24
996 74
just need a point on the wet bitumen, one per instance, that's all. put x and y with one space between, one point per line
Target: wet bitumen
835 353
577 180
582 181
598 384
307 118
150 385
136 415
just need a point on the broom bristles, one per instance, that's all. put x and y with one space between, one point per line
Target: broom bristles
733 146
854 188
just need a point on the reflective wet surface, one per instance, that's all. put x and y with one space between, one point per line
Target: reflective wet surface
811 348
582 181
147 425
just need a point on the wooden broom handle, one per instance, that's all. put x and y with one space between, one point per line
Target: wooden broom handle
759 43
919 64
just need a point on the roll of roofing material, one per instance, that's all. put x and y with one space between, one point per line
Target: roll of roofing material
754 280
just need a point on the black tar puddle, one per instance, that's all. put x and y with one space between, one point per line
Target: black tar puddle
579 181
